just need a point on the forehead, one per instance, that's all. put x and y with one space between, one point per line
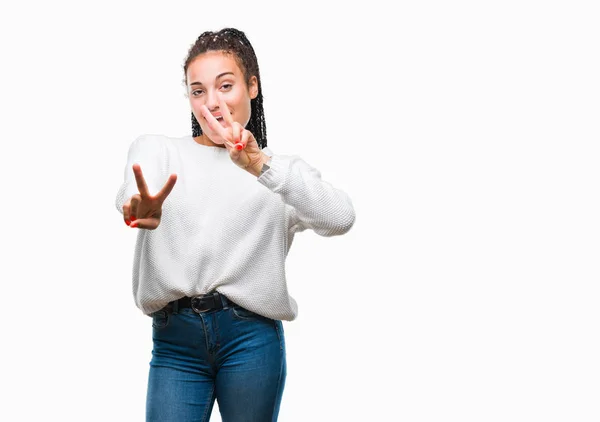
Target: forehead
207 66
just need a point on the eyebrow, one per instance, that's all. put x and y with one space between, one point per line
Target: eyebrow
221 75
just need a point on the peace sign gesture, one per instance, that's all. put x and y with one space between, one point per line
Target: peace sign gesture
241 144
144 208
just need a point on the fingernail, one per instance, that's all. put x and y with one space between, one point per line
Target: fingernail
132 217
239 147
134 224
127 222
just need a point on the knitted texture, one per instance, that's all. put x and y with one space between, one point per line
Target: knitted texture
223 228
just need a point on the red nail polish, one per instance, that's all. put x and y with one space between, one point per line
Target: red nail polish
134 224
133 217
239 147
127 222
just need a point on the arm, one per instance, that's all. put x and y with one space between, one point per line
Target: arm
316 204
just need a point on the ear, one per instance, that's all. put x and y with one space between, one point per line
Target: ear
253 87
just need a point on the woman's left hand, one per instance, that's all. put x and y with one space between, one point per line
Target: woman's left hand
233 135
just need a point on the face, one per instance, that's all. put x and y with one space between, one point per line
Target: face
214 72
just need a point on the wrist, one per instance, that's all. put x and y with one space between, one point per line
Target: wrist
257 169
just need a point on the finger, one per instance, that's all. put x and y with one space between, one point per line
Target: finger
229 145
145 223
237 130
139 179
238 156
167 188
245 137
126 207
135 202
225 110
213 123
238 133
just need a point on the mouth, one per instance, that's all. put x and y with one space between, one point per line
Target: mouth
219 118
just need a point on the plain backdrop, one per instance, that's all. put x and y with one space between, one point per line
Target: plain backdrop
466 134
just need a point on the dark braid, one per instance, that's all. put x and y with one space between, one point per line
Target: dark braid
233 41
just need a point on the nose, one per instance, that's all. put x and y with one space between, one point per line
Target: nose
212 101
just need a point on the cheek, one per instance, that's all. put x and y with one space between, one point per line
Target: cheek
195 105
242 104
239 99
198 115
196 110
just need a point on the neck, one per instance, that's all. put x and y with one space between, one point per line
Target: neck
205 140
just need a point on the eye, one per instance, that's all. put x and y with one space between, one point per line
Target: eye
194 93
226 86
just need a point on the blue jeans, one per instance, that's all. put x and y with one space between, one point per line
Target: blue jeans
232 355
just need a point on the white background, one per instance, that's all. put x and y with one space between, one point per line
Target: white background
465 132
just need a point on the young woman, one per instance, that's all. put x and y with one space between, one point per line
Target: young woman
209 263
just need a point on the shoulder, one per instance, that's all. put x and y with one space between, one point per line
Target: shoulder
158 142
146 141
151 139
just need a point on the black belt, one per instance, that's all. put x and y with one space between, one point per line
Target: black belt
208 302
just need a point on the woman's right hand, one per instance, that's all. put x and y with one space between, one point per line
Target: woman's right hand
143 210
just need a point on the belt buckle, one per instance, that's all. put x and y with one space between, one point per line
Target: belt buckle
195 301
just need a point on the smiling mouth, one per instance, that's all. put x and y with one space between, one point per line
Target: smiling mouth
218 118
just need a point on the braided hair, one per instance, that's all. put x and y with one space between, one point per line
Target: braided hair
233 41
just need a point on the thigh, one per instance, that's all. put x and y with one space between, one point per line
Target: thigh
181 381
175 395
252 369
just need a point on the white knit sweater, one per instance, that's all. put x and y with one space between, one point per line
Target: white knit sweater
223 228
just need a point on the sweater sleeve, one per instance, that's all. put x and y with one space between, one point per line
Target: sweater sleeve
315 203
147 151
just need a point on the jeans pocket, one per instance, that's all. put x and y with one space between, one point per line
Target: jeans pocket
242 313
160 319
